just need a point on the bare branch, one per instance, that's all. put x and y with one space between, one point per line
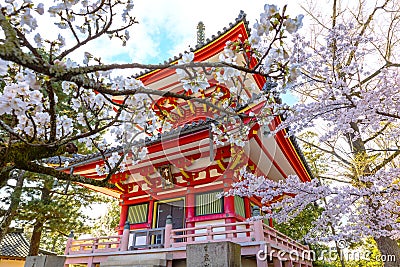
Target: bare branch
331 152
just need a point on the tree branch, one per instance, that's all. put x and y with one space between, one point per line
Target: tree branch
36 168
325 150
386 161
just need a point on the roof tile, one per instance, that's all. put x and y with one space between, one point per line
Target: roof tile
14 245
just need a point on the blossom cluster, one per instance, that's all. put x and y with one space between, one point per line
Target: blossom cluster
374 203
342 101
38 106
269 30
192 79
352 106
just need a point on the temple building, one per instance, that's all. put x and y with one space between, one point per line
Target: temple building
170 200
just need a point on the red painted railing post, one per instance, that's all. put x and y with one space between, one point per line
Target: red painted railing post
258 230
125 237
258 225
168 229
94 244
69 243
123 217
209 233
190 212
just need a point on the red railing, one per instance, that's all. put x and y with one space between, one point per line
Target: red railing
93 245
280 240
236 232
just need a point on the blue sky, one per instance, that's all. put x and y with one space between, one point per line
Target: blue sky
162 51
166 28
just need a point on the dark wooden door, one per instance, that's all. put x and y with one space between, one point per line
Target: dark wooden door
175 209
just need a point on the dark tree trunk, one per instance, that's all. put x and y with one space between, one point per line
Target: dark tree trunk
387 246
12 209
38 226
390 251
35 239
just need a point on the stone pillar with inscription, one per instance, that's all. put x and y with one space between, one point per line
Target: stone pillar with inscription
215 254
44 261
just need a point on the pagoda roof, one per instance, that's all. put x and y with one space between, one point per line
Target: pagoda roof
78 159
211 47
182 130
14 245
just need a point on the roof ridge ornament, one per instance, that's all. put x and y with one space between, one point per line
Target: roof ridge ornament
200 33
242 15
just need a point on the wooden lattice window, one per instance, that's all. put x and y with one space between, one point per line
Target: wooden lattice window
138 213
239 206
209 203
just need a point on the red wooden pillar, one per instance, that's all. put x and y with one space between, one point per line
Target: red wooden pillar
229 208
190 208
247 207
229 205
123 217
150 214
229 201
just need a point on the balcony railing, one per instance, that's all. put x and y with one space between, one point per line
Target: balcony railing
94 245
235 232
282 241
174 238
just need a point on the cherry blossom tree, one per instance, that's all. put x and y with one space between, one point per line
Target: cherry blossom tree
349 88
37 72
50 103
334 69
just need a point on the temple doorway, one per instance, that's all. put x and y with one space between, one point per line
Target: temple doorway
175 209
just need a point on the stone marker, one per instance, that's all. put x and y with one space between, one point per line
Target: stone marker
216 254
44 261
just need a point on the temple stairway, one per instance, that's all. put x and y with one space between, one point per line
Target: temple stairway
137 260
